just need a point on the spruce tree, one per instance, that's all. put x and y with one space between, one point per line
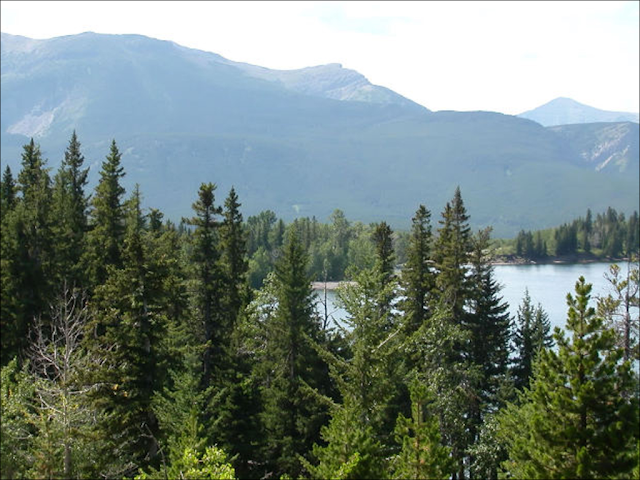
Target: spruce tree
70 206
417 279
291 369
9 298
531 335
208 281
27 258
579 419
130 320
7 192
106 220
451 255
370 380
233 258
488 322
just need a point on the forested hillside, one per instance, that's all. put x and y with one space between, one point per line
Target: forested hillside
133 347
302 142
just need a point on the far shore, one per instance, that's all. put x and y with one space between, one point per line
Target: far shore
506 260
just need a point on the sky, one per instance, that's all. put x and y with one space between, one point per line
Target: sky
500 56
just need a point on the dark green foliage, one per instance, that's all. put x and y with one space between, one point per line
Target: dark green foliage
580 417
130 319
106 220
208 279
69 210
26 252
451 254
532 334
291 368
7 191
418 279
488 324
182 363
233 248
566 237
529 246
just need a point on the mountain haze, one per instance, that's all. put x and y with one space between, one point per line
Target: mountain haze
300 142
565 111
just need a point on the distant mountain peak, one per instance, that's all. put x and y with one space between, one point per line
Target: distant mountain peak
566 111
332 81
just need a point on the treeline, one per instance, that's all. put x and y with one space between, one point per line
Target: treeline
610 235
132 347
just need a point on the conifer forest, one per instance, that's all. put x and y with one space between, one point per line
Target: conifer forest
134 346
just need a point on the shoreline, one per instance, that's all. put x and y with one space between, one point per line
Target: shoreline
562 260
319 286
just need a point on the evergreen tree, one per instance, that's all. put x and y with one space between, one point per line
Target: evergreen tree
9 299
130 319
26 252
580 417
233 258
106 220
208 280
352 449
422 454
489 325
291 369
532 334
70 211
417 278
370 381
7 192
451 254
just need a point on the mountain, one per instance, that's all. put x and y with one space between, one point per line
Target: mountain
608 147
300 143
565 111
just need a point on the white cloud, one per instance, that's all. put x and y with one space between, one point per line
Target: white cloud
502 56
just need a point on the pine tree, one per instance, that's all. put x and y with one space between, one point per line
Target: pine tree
352 448
417 279
292 369
580 417
70 211
106 220
422 454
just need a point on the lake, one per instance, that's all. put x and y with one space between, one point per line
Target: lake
547 284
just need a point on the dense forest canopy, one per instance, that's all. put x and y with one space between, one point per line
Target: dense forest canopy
133 346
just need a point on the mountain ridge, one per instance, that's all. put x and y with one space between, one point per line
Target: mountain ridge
183 116
566 111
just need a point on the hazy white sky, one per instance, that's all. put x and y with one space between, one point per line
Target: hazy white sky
501 56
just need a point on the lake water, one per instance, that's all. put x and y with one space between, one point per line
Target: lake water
547 284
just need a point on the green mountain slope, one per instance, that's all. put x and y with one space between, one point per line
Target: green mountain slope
184 116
